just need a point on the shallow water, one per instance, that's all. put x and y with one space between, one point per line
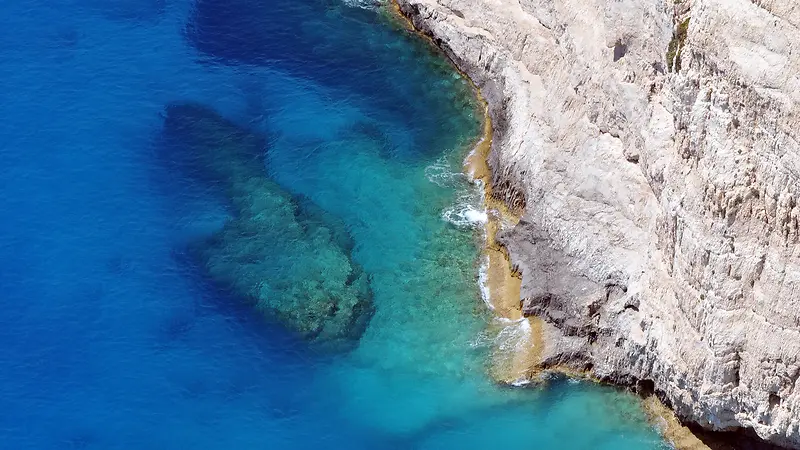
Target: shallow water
110 338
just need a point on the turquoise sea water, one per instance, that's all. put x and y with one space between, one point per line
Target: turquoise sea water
111 337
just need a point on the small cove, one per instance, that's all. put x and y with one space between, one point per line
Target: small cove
113 340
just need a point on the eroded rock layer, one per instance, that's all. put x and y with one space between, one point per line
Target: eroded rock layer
654 148
283 253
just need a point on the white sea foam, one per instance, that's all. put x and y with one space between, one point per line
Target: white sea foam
468 210
508 337
514 336
482 340
465 215
483 283
475 216
441 174
522 381
661 425
365 4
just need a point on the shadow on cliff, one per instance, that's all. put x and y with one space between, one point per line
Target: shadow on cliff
282 253
734 440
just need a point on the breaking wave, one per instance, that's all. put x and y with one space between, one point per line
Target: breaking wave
364 4
441 174
468 210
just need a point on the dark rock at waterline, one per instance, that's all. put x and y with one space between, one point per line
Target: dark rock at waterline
286 255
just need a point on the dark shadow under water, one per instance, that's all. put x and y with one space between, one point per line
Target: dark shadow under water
359 51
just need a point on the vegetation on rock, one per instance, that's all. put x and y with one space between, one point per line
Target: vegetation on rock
676 46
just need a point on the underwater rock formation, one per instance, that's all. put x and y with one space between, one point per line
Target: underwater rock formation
284 254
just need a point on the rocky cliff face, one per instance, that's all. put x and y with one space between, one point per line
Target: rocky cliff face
654 148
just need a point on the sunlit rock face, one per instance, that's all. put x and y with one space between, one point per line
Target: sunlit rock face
284 254
653 149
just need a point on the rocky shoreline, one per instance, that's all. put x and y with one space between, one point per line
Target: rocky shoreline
653 151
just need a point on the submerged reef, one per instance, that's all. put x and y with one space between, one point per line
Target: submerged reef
283 253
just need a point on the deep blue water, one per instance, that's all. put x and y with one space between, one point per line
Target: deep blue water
110 338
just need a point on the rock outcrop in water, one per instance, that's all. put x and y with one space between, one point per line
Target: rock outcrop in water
654 147
283 253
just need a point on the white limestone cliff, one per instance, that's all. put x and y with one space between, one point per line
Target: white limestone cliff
660 239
